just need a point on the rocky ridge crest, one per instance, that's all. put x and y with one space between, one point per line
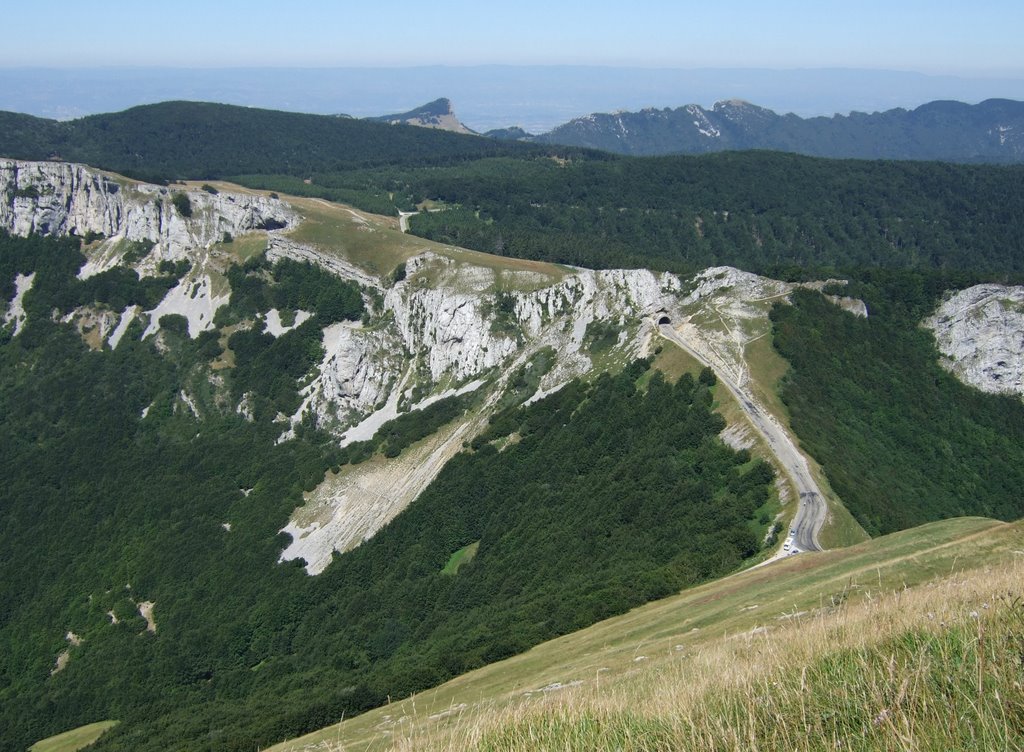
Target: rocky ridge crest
59 198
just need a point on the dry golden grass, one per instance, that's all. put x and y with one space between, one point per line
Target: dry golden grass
662 674
374 243
936 667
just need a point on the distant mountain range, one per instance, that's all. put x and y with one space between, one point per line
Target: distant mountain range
537 98
185 139
992 131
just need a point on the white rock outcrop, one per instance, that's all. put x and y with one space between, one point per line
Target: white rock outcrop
192 298
457 336
448 336
59 198
360 371
15 312
980 333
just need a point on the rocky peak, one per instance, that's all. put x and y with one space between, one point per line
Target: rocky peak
437 114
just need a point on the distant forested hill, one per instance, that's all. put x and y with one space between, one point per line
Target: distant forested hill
762 211
203 140
992 131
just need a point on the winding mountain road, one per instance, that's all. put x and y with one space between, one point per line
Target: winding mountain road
811 514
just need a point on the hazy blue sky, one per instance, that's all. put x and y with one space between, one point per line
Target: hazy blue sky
932 36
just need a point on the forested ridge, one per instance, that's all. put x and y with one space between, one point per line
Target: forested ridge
116 494
203 140
777 214
767 212
902 441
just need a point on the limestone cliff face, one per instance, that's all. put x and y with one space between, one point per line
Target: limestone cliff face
447 325
58 198
433 339
360 371
980 333
449 329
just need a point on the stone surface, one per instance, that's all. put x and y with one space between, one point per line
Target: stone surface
980 333
72 199
15 313
58 198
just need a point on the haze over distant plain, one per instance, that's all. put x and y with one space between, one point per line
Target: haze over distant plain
533 64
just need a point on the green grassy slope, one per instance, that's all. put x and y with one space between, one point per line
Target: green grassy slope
633 681
73 740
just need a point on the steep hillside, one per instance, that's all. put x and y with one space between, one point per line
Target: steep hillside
455 323
874 646
179 386
991 131
217 406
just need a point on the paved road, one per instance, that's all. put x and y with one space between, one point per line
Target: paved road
810 515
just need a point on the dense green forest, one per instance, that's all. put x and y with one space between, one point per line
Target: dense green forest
768 212
778 214
115 495
761 211
201 140
903 442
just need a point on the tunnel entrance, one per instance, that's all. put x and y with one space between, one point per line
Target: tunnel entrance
664 320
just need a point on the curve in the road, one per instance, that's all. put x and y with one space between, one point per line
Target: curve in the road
812 510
